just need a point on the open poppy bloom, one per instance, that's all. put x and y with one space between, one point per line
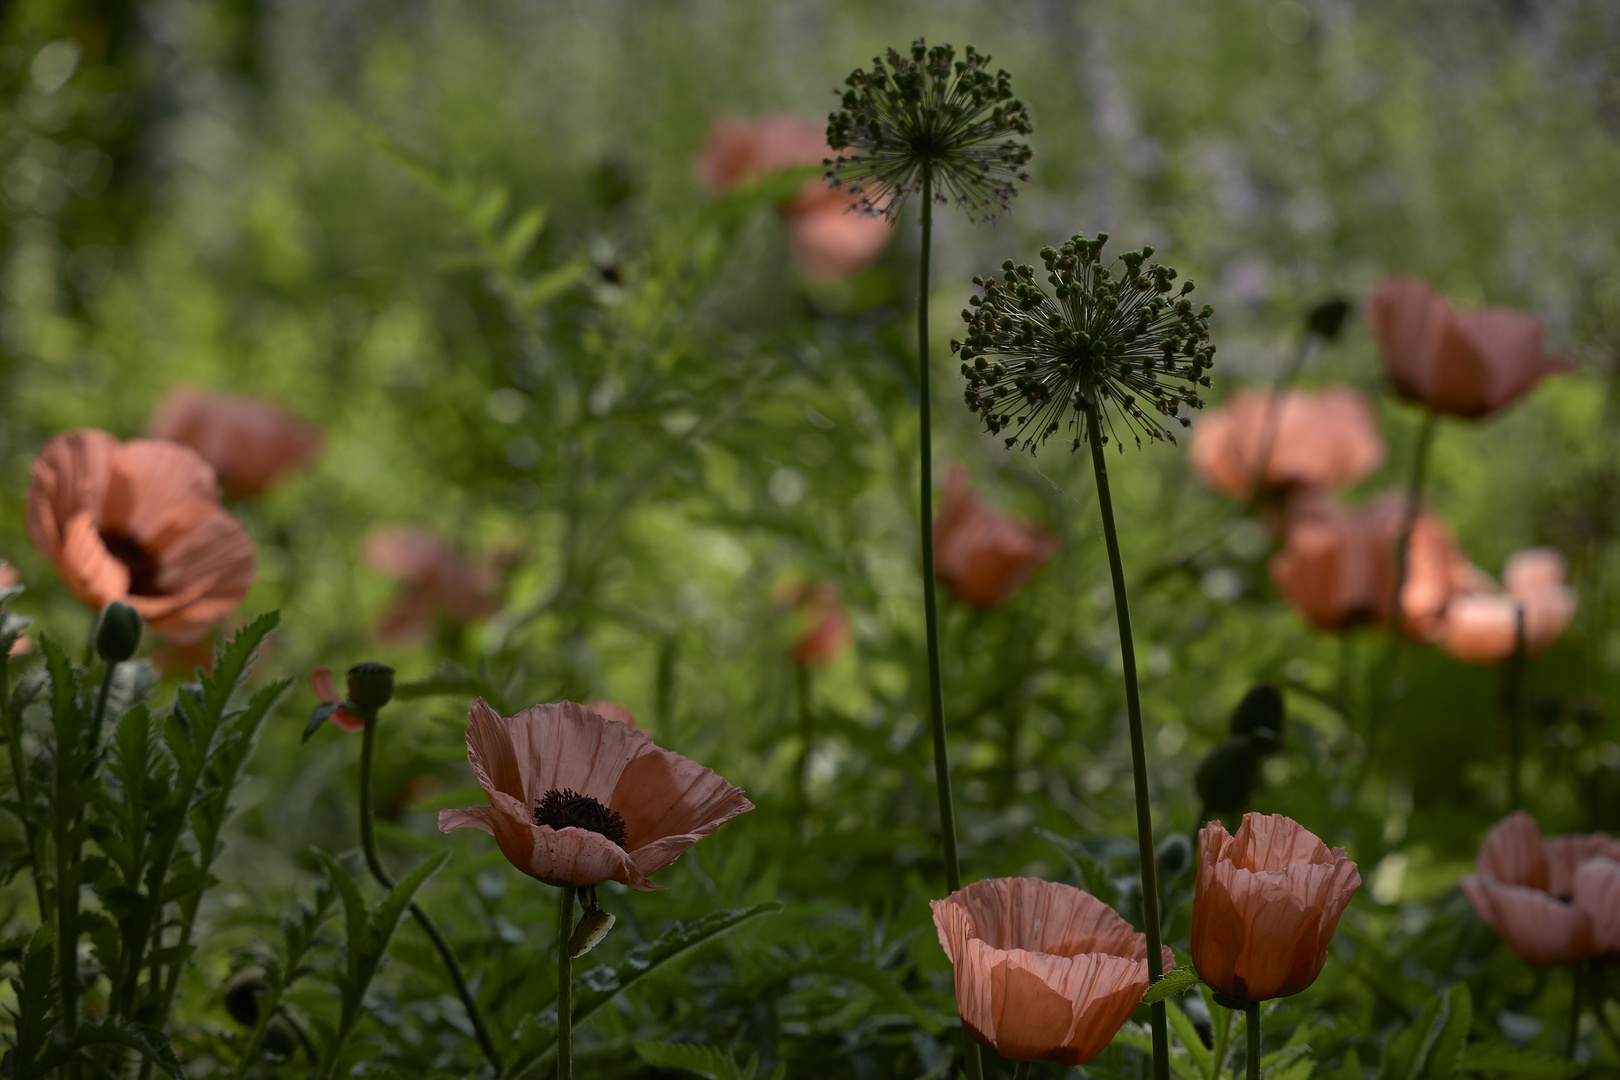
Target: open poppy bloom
1467 363
140 522
1552 901
1481 623
435 582
1337 566
823 624
984 557
1265 906
320 680
575 799
1044 971
829 239
250 443
1325 439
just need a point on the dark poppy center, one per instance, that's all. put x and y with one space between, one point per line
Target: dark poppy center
565 808
142 564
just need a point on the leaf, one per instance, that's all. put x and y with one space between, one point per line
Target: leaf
520 236
706 1061
150 1043
1499 1059
318 717
1403 1059
553 282
1176 981
1187 1035
1445 1052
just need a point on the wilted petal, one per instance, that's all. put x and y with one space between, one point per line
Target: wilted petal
1538 927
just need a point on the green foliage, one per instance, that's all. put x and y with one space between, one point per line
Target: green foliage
706 1061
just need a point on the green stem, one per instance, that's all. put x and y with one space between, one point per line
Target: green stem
1575 1012
1513 703
1251 1015
1021 1071
565 986
936 686
1223 1034
807 734
1268 426
368 841
101 710
1409 516
1133 705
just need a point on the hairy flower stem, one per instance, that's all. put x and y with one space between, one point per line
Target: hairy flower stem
565 985
368 841
936 687
1251 1014
1133 706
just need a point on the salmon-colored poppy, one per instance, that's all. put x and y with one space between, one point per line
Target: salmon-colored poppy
1337 566
1467 363
1044 971
822 625
576 799
325 687
984 556
1324 439
1481 624
1266 905
140 522
1550 900
829 239
250 443
435 582
612 710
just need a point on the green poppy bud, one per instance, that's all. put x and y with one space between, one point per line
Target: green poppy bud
119 634
371 686
1225 778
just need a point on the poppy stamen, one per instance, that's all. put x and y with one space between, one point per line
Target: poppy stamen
565 808
142 564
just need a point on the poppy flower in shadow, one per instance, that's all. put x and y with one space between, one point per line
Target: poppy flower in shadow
575 799
435 582
985 557
250 443
140 522
829 238
821 625
1551 900
1265 906
321 681
1468 363
1325 439
1044 971
1481 624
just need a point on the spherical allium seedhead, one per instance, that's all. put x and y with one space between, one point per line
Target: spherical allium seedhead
1118 336
929 111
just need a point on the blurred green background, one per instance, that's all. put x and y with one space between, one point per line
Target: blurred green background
309 202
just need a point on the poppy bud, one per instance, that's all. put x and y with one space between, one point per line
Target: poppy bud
1260 715
371 686
119 634
242 996
593 927
1225 778
1326 319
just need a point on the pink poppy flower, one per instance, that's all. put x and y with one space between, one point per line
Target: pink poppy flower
984 556
575 799
250 443
823 631
1325 439
1481 624
435 582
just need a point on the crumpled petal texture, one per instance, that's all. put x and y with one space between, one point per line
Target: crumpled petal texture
668 802
1044 971
1266 905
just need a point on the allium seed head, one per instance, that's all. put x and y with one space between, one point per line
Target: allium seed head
929 111
1119 338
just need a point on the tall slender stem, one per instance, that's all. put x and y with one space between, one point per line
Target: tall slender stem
1574 1041
1251 1015
1513 703
1133 707
368 842
1273 417
101 709
565 985
1403 540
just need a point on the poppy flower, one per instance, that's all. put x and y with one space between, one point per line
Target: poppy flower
612 710
1337 566
140 522
822 624
1265 906
575 799
1481 623
435 582
985 557
250 443
1325 439
829 239
1044 971
1468 363
320 680
1551 900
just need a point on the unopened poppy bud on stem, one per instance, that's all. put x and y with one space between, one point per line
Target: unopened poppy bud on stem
119 634
371 686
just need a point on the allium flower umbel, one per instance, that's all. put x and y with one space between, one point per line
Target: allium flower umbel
929 112
1265 906
1115 337
577 799
1044 971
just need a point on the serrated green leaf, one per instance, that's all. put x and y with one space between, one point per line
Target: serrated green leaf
1192 1044
1175 981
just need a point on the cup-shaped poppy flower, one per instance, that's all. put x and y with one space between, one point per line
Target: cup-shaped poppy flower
1337 566
1550 900
1325 439
1482 622
984 556
829 239
1265 906
1044 971
250 443
435 582
576 799
821 625
1468 363
140 522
